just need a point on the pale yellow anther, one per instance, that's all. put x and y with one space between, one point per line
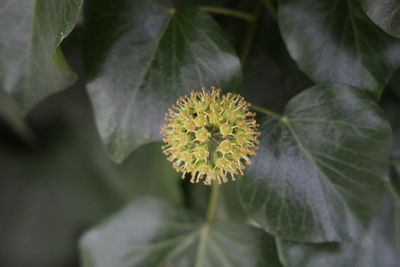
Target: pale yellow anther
241 124
241 138
201 106
215 107
203 169
222 163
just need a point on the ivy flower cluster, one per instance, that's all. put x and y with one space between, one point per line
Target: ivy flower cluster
210 136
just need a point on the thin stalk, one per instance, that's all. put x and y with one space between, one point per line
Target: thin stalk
250 33
228 12
263 110
212 204
271 8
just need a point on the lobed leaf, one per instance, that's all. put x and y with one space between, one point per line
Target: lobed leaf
380 246
385 14
32 65
141 56
318 173
150 232
333 41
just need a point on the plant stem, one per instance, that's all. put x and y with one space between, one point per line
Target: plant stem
263 110
250 33
271 8
229 12
212 204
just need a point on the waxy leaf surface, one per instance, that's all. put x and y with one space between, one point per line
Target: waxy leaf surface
141 56
150 232
318 173
333 41
380 246
32 65
385 13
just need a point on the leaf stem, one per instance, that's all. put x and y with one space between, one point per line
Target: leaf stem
250 33
271 8
227 11
263 110
212 204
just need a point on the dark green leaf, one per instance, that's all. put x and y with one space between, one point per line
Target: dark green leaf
380 247
141 56
317 175
150 232
385 13
334 41
32 65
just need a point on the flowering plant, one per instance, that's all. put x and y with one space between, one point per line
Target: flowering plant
287 110
209 136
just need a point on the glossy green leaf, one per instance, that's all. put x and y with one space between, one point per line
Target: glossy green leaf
32 65
317 174
334 41
150 232
380 246
385 13
141 56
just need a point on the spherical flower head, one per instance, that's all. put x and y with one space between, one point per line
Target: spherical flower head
210 136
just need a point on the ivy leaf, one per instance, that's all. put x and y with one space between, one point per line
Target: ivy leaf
141 56
150 232
334 41
32 65
385 13
317 175
379 247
